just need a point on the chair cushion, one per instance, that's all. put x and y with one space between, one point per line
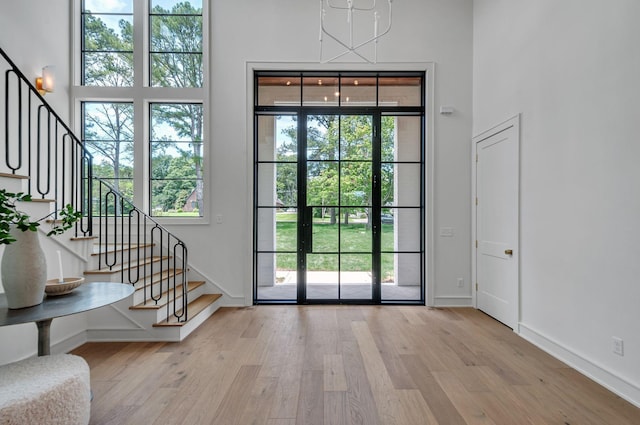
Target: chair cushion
45 390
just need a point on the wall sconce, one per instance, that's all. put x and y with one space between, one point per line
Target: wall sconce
45 83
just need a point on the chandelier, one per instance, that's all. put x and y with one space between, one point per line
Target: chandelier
346 43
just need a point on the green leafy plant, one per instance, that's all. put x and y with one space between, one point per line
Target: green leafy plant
10 215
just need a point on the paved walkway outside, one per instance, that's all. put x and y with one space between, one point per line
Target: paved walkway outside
324 285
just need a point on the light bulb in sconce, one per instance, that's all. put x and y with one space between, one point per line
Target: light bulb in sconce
45 84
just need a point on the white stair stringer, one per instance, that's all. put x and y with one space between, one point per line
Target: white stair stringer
135 320
118 323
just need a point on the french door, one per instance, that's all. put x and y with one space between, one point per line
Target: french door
338 206
339 229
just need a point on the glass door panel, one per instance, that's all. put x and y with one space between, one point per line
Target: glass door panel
339 203
276 216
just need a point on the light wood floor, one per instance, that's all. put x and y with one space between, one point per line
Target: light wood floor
286 365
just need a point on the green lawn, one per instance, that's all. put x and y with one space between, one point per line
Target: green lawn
330 238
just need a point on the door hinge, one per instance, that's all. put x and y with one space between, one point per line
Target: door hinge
476 201
476 286
476 157
476 243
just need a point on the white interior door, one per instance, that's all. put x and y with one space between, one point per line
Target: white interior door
497 186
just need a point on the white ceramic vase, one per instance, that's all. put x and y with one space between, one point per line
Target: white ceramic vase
24 270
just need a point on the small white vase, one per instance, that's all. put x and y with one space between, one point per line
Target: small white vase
24 270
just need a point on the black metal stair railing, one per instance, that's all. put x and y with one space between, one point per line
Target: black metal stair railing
155 256
40 145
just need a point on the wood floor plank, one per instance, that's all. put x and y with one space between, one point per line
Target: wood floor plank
361 404
237 398
415 409
471 412
392 362
334 377
387 401
259 402
285 402
335 408
437 400
311 400
281 422
344 316
352 365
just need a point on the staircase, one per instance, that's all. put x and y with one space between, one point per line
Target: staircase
115 241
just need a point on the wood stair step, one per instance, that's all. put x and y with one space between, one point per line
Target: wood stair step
153 305
195 307
14 176
119 267
82 238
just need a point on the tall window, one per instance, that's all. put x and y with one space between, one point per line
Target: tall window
135 58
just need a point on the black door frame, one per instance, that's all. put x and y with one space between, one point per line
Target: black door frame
305 222
380 110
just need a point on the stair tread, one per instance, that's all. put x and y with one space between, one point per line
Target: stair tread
195 307
14 176
152 305
119 267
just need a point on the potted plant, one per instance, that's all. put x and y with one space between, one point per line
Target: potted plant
24 267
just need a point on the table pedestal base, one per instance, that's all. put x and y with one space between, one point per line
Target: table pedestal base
44 337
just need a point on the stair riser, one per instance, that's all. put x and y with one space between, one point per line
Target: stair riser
36 210
194 323
119 256
13 185
139 295
118 276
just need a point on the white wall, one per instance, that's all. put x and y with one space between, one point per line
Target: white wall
244 31
571 68
35 33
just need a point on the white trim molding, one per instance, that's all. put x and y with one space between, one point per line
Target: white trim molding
429 69
617 384
453 301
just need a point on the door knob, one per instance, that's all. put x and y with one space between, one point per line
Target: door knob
508 251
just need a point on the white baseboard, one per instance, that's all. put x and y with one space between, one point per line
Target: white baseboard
452 301
616 384
70 343
132 335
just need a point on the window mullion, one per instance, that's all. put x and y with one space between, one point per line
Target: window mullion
141 171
